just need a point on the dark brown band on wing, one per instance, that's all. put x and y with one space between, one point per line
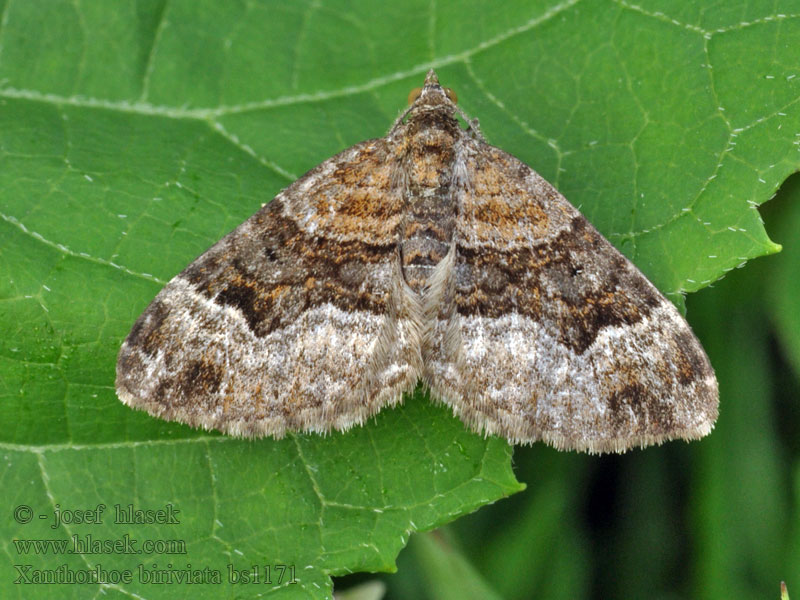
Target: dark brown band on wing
273 271
575 281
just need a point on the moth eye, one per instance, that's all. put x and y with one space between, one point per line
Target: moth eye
414 94
450 93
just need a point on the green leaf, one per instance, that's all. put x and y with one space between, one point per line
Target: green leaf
319 506
135 134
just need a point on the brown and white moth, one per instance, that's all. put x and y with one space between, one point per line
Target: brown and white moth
424 255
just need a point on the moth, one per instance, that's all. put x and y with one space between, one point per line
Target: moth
426 255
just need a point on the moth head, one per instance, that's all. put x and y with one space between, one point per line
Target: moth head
432 93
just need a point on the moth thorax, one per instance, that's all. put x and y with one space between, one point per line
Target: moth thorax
428 230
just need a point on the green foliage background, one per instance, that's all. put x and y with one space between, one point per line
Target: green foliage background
134 134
